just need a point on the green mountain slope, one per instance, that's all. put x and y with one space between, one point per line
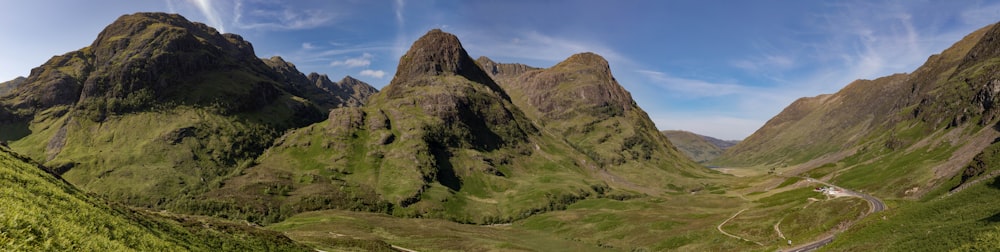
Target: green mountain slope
903 135
581 103
698 147
41 212
157 107
442 140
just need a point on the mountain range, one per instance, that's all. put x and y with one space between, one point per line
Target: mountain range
164 134
165 113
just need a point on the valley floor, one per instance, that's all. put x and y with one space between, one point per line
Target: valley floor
755 212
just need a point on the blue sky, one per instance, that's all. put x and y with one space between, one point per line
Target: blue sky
719 68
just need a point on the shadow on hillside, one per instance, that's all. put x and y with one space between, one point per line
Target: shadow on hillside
996 183
992 219
13 131
445 171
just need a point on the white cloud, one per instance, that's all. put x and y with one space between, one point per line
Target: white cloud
361 61
378 74
277 17
210 13
691 87
308 46
981 14
533 45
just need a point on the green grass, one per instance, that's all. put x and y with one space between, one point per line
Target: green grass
684 222
895 172
39 212
966 221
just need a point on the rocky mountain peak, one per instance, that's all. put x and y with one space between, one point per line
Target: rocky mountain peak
439 53
585 59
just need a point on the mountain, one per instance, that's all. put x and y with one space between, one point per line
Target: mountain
318 87
157 107
442 140
904 135
698 147
7 86
579 101
348 91
42 212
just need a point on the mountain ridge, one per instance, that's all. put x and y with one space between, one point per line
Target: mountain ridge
157 99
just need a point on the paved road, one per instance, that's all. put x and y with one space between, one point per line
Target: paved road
875 204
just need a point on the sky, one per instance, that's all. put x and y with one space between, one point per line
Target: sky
717 68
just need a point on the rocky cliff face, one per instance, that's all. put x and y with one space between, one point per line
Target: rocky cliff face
348 91
502 71
318 88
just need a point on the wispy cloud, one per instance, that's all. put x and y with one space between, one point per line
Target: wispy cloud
361 61
378 74
210 13
279 17
308 46
691 87
981 14
534 45
400 45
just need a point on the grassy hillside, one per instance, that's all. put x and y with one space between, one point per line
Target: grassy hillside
155 109
40 212
926 141
965 221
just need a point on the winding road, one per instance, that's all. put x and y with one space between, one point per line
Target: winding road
875 204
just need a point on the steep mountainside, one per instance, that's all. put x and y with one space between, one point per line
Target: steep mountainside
41 212
698 147
155 108
902 135
441 140
7 86
579 101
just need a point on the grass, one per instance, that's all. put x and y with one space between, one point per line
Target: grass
39 211
684 222
966 221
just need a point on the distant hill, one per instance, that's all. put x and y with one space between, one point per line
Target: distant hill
8 86
41 212
698 147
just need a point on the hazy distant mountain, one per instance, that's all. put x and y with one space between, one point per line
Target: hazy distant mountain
698 147
8 86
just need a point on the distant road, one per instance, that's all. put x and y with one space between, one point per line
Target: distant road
875 204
